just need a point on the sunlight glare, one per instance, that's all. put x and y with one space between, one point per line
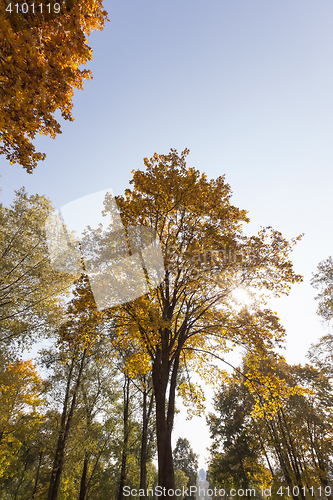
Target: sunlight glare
241 297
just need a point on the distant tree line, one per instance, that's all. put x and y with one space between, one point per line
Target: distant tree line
279 436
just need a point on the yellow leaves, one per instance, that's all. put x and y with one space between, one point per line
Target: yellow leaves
270 391
20 396
263 477
137 364
190 313
20 388
193 399
212 375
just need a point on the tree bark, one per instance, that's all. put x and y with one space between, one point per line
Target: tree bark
294 458
123 471
65 425
283 460
37 475
83 485
144 440
21 479
165 410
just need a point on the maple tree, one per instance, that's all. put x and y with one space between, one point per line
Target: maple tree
39 70
190 315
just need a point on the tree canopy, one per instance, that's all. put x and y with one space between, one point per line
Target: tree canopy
186 460
190 315
30 289
322 280
39 70
184 319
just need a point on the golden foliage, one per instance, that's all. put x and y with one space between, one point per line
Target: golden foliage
191 312
39 70
20 396
270 391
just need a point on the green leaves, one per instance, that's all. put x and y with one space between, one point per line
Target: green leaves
323 281
30 289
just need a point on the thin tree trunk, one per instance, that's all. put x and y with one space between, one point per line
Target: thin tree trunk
318 460
264 450
245 484
83 485
66 421
284 463
21 479
143 458
144 440
295 461
123 471
37 475
97 462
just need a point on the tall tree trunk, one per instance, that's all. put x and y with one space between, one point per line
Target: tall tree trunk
37 474
283 459
21 479
83 485
144 439
65 425
96 463
294 458
263 449
245 484
165 410
123 471
143 458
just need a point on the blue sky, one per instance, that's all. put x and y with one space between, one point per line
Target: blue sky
246 85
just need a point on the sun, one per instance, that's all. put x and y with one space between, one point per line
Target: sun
241 297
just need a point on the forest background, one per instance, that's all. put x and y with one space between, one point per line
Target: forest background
245 86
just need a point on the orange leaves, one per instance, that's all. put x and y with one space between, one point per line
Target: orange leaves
39 68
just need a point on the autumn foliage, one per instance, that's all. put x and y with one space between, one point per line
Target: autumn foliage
111 377
39 70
